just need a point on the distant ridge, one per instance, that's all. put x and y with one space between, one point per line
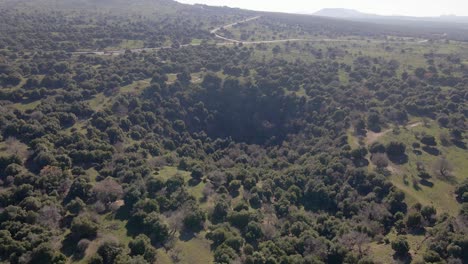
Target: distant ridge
344 13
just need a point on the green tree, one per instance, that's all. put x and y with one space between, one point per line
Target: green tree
400 246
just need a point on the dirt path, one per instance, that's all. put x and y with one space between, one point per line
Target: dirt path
414 125
372 137
227 42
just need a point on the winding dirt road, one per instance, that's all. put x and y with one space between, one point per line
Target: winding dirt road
227 41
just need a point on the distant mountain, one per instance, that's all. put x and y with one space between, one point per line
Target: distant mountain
344 13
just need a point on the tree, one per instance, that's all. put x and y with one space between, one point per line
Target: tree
141 245
253 231
194 219
234 186
276 50
184 77
395 148
83 227
154 227
377 147
109 250
373 122
46 254
220 211
197 173
400 246
420 72
428 212
414 220
462 191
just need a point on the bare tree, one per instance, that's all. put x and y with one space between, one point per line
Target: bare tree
269 230
356 240
175 255
49 216
316 247
380 160
443 168
176 220
445 139
108 190
15 147
208 191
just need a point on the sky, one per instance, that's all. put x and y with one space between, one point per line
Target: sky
381 7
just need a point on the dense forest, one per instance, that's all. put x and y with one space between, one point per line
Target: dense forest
349 149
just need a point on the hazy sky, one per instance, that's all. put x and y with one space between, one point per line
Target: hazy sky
383 7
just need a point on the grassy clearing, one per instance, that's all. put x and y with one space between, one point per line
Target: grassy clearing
135 87
405 176
441 193
196 41
171 78
383 253
100 100
92 173
27 106
110 227
195 250
168 172
163 257
127 44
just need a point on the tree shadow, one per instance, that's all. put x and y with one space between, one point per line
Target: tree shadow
133 227
194 182
123 213
359 163
459 144
417 231
186 235
401 159
234 193
69 246
448 178
431 150
406 259
426 183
